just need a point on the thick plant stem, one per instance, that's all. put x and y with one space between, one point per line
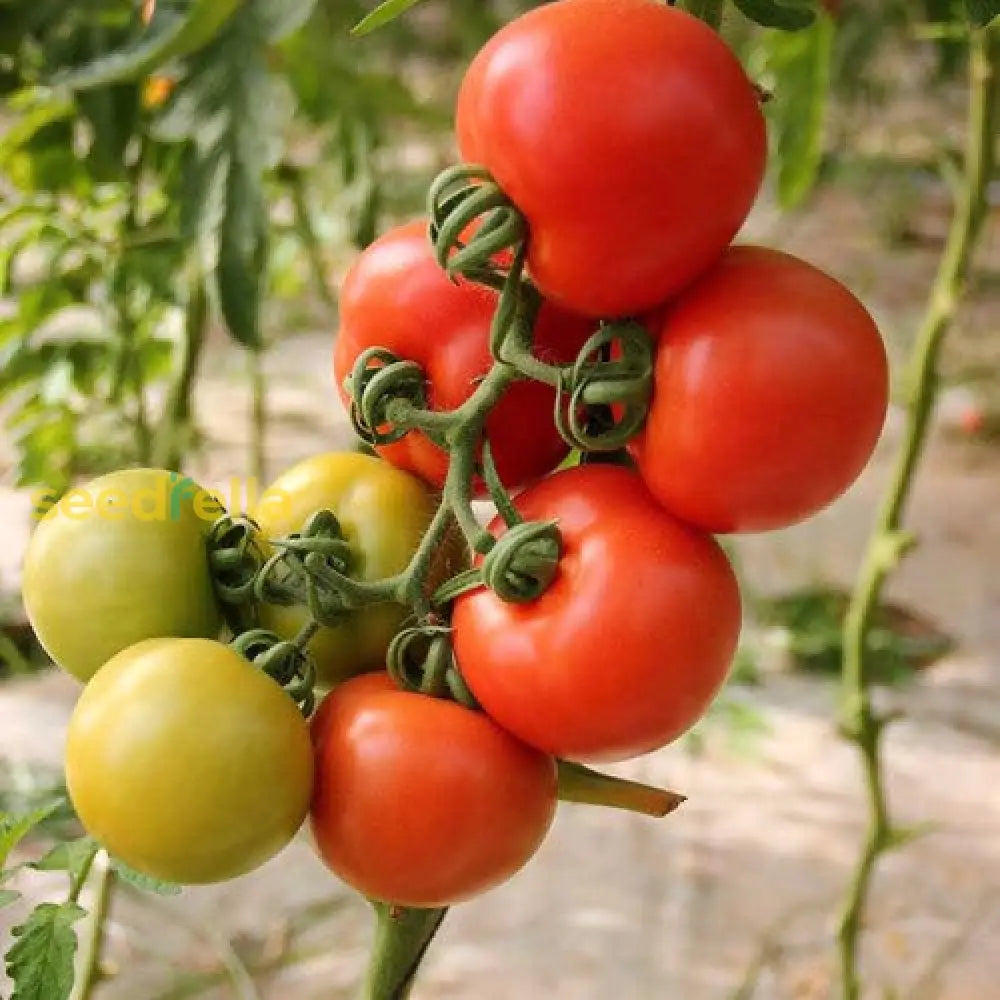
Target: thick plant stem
92 942
710 11
402 936
888 543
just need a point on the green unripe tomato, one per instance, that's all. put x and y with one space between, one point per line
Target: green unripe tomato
187 762
383 513
119 560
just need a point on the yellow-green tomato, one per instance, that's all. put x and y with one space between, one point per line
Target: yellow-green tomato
187 762
384 513
117 561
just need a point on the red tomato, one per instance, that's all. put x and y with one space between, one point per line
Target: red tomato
628 645
630 138
395 296
770 392
420 801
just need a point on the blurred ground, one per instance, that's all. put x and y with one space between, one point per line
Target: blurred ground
733 897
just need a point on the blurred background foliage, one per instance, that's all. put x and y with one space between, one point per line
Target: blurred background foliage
163 165
171 170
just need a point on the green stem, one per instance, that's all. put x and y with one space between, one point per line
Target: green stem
128 367
582 784
498 493
402 937
175 426
258 416
888 544
410 587
710 11
306 231
92 944
79 880
534 368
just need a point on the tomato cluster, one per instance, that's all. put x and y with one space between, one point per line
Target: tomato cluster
599 615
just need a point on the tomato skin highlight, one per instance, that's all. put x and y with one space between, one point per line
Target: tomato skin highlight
422 802
187 762
629 644
100 580
627 200
383 513
770 392
396 296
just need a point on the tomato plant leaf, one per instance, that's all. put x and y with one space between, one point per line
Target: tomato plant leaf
280 18
71 856
8 896
146 883
385 12
36 108
40 962
174 31
231 110
789 15
981 12
798 68
13 828
903 836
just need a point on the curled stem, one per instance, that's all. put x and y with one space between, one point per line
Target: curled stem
582 784
859 719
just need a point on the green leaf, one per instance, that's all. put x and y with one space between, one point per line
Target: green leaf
232 110
43 108
40 962
146 883
13 829
279 18
903 836
800 67
981 12
385 12
789 15
71 856
172 33
8 896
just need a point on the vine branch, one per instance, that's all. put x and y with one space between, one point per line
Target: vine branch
89 972
887 545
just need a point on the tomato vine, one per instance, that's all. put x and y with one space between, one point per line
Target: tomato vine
483 236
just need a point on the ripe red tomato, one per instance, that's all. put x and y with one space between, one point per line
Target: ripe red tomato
770 392
628 645
395 296
629 137
420 801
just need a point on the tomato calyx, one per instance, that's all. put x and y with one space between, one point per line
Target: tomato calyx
235 559
386 395
603 398
285 662
420 660
467 197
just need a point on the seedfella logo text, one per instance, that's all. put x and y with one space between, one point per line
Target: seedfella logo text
165 499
